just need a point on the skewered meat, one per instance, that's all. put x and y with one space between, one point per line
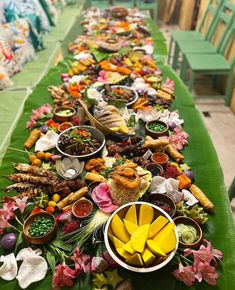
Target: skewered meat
29 178
34 170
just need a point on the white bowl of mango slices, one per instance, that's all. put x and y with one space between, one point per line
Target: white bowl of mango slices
141 237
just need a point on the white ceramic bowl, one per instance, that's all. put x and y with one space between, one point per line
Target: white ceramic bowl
125 87
112 251
95 132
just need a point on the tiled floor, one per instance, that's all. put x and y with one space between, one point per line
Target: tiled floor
219 120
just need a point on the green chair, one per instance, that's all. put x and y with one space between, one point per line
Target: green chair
97 3
177 36
212 64
225 16
231 191
125 3
148 5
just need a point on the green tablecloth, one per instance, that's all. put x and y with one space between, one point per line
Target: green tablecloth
200 155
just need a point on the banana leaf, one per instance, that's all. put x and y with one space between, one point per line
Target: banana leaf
200 155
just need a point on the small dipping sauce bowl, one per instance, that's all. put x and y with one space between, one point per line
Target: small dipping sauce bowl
154 168
82 208
63 113
160 158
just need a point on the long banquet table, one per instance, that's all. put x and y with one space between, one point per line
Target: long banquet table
200 155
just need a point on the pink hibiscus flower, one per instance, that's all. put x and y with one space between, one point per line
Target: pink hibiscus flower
81 260
63 275
185 274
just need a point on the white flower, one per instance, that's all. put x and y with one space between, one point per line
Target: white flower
9 268
160 184
82 55
32 269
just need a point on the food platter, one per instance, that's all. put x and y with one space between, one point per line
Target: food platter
83 175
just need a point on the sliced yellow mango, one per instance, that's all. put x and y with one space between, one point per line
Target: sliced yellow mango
139 238
128 248
155 249
117 243
115 129
148 257
130 227
146 214
119 229
123 129
135 260
168 228
131 215
123 253
166 238
157 225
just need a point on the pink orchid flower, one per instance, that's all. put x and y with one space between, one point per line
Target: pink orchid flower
169 84
37 113
6 214
102 77
81 260
63 275
179 139
21 203
185 274
30 124
206 272
205 253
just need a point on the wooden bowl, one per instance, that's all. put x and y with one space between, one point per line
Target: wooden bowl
77 203
42 239
155 156
154 134
61 119
191 222
160 198
154 168
152 79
